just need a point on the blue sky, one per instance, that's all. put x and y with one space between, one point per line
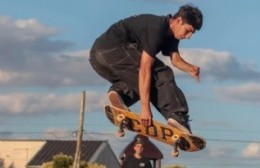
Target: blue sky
44 50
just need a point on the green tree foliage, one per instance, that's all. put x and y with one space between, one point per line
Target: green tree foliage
176 166
64 161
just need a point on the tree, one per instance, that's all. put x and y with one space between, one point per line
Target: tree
59 161
176 166
64 161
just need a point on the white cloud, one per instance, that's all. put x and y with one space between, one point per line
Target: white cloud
24 30
29 57
12 78
220 152
58 134
252 151
223 67
35 103
249 92
217 65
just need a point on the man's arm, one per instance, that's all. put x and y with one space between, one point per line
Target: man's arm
145 87
180 63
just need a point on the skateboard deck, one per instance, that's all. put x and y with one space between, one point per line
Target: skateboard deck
126 120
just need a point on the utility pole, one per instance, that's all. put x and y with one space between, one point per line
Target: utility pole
77 158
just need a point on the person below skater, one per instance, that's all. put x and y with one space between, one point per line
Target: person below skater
137 160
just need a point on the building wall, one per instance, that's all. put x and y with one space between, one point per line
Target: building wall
108 158
19 152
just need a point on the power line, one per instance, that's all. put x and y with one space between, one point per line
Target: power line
50 124
234 140
75 124
237 164
108 133
225 130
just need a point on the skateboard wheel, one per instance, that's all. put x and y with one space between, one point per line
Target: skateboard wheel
120 133
120 117
175 138
175 153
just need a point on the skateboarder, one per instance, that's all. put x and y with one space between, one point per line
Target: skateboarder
137 159
125 55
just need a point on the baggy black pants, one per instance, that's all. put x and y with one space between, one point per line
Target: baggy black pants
120 66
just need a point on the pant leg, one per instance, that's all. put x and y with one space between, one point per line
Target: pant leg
166 96
120 66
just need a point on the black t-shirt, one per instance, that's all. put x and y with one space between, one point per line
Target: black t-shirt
150 32
133 162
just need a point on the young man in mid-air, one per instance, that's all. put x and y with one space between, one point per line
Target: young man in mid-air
125 55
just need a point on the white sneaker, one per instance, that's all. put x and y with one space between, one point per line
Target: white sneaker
174 123
116 100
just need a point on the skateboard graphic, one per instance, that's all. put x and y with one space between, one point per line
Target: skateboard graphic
126 120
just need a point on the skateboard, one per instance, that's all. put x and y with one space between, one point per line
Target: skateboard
126 120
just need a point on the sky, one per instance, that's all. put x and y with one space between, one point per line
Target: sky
44 50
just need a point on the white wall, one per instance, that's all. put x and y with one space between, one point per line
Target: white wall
19 152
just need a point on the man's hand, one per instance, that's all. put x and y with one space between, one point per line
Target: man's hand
146 118
195 72
181 64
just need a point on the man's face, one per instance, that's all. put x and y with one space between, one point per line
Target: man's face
182 30
138 148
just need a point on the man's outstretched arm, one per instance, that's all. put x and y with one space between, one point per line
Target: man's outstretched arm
145 87
180 63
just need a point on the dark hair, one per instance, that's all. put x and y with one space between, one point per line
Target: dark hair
190 15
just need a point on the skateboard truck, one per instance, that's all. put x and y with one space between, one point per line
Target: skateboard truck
176 141
122 124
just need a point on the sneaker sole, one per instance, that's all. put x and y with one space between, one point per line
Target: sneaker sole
173 123
116 101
